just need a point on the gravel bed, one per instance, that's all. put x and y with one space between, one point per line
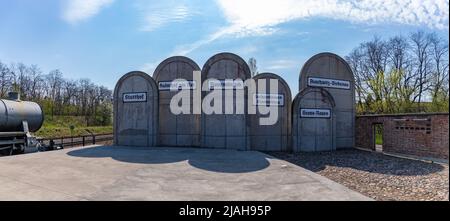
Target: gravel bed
376 175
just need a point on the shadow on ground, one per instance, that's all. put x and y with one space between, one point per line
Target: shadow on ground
224 161
360 160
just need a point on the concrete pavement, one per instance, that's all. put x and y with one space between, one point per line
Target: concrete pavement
125 173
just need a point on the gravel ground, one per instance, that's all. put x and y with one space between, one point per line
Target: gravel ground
378 176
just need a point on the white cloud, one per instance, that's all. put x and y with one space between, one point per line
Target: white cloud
282 64
80 10
268 13
260 17
233 30
188 48
157 19
247 50
150 67
156 14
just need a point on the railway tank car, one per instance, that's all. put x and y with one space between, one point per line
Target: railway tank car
17 119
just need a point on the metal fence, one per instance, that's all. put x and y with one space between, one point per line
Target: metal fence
76 141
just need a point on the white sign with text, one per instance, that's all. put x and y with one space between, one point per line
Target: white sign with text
268 99
315 113
228 84
330 83
176 85
134 97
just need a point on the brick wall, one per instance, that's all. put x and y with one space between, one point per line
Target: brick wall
423 135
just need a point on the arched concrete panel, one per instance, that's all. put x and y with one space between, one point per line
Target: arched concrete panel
182 129
314 124
332 73
135 110
275 137
228 131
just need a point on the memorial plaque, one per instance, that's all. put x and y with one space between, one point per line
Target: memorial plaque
226 84
330 83
268 99
134 97
315 113
177 85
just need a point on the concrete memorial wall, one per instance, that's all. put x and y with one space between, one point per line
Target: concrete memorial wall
177 129
333 74
322 116
314 121
229 129
274 137
135 110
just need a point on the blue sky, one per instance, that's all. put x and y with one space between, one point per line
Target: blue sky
104 39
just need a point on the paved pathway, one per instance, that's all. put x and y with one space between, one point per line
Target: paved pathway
124 173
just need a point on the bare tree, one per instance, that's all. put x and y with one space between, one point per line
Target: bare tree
355 60
398 53
36 81
57 95
420 47
4 79
439 79
400 74
372 58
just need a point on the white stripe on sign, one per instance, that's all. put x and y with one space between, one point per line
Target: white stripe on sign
330 83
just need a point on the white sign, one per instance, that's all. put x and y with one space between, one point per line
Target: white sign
176 85
315 113
228 84
134 97
268 99
331 83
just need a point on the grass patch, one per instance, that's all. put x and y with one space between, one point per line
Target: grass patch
378 134
66 132
64 121
60 126
379 139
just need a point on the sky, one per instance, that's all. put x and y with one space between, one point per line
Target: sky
104 39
